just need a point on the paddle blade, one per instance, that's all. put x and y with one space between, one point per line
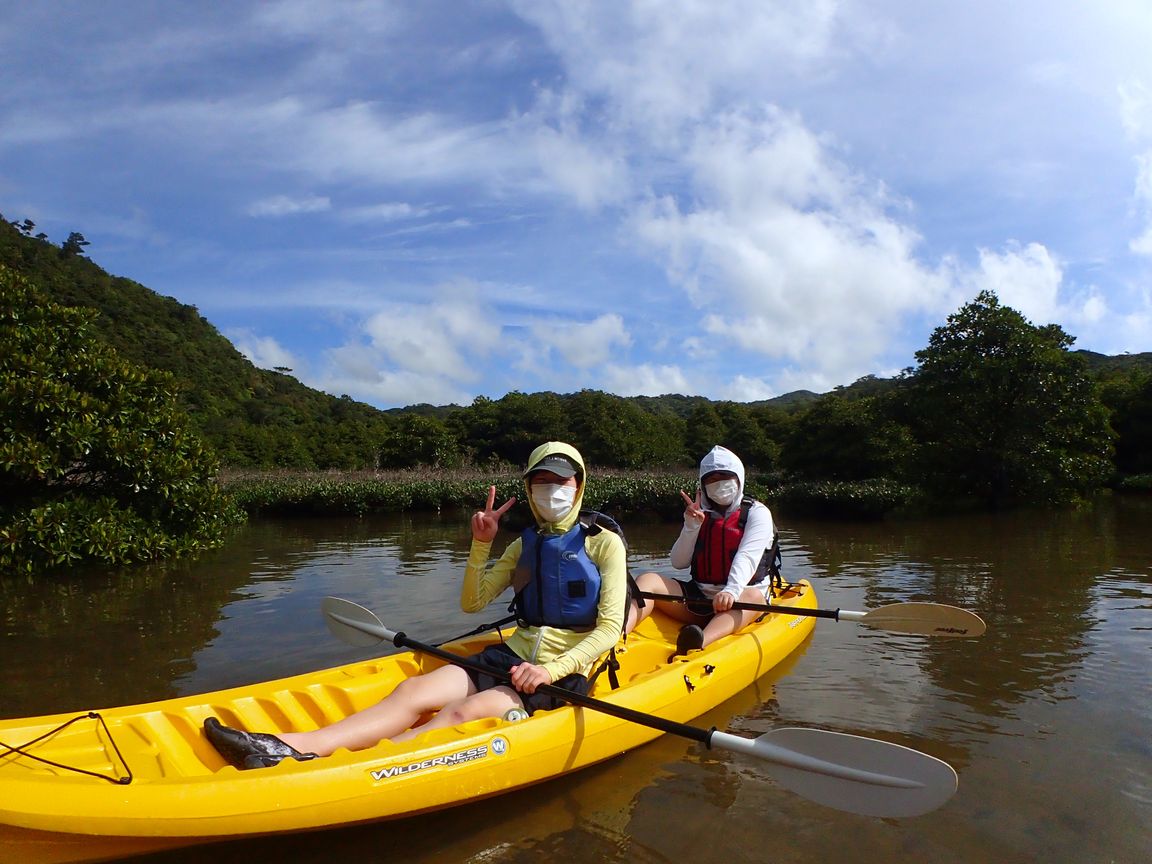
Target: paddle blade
353 624
926 619
856 774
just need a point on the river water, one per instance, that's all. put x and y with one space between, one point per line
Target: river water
1047 718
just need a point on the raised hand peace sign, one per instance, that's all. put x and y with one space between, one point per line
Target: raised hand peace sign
693 513
486 522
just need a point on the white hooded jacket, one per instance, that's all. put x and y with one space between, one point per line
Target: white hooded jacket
758 531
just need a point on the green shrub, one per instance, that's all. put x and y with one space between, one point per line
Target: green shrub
96 460
1136 483
393 492
864 499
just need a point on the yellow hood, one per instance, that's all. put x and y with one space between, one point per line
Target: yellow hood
558 448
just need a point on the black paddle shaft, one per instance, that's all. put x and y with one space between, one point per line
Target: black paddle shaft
704 736
803 611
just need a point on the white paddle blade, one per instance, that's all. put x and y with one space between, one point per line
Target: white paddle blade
927 619
354 624
851 773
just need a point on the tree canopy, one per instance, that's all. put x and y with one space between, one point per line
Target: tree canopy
847 439
1003 412
97 460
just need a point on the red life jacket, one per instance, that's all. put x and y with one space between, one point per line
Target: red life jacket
716 547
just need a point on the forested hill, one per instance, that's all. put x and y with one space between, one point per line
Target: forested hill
1104 364
247 413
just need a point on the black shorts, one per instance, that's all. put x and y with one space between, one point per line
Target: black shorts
695 600
501 658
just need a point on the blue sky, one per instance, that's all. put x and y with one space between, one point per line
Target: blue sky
426 202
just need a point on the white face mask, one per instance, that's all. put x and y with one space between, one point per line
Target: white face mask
552 500
722 491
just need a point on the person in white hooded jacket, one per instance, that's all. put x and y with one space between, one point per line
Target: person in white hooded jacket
728 547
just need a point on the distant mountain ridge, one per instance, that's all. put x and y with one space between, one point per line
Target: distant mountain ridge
1100 363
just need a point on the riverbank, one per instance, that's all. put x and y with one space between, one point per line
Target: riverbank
650 492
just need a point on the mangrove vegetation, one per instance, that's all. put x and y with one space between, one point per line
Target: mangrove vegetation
135 430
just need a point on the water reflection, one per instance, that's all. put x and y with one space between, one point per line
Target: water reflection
1046 716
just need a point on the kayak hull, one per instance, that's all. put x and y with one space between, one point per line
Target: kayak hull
159 778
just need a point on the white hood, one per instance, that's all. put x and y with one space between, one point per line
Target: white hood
722 459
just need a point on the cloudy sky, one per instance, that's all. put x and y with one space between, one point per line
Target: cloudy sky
425 202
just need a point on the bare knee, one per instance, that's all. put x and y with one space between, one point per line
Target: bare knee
488 703
752 594
407 690
650 581
415 694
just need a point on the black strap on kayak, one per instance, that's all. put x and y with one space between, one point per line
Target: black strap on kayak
611 665
483 628
5 749
787 588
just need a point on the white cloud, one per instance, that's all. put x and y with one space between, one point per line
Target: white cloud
431 351
574 167
1116 332
1142 244
434 350
284 205
644 380
1095 308
1136 109
392 211
357 370
1031 280
35 127
1026 278
361 140
663 63
264 351
744 388
584 345
786 252
443 339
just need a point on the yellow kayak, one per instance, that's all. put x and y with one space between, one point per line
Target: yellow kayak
146 771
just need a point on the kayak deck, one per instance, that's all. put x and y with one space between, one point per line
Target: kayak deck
159 777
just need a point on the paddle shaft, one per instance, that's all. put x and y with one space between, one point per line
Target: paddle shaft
924 619
834 614
848 772
400 640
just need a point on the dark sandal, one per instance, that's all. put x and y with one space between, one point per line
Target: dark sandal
691 638
249 749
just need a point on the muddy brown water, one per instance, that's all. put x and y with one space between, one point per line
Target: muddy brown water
1047 718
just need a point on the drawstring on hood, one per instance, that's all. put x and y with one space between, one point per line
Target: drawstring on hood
722 459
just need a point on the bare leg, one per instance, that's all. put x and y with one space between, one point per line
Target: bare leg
726 623
390 716
487 703
657 584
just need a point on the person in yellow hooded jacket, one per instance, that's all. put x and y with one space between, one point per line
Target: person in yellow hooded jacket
571 594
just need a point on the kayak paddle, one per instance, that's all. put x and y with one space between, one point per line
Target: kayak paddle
925 619
846 772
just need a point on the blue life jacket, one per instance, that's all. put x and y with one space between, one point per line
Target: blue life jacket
557 584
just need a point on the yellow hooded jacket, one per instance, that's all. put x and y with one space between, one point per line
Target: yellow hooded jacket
560 651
